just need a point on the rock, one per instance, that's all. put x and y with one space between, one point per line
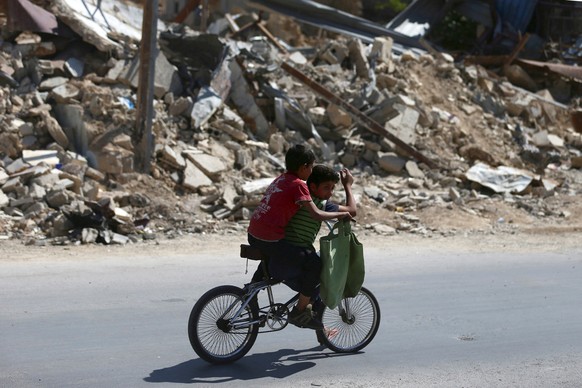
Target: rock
89 235
338 117
64 94
519 77
4 200
391 163
358 56
210 165
58 198
384 229
51 83
413 170
194 178
40 156
382 49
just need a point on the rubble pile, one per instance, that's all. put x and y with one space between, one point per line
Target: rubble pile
227 106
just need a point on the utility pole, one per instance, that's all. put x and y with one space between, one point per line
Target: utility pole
145 89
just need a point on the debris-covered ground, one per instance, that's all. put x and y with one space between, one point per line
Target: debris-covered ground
437 146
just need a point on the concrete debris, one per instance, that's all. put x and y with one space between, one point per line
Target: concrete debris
417 129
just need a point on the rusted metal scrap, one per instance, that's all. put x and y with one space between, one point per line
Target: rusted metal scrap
369 123
574 72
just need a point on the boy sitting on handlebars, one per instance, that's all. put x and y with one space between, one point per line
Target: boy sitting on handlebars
284 197
302 229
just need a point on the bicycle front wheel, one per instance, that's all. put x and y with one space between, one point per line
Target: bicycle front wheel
352 325
220 331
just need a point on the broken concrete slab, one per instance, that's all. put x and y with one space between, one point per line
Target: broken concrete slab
96 20
206 104
34 157
194 178
210 165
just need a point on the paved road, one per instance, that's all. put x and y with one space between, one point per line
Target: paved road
448 319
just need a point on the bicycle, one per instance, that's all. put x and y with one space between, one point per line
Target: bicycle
226 320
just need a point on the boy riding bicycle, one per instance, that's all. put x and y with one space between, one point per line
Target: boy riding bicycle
284 197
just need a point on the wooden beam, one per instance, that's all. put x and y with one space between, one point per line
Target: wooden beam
145 88
188 8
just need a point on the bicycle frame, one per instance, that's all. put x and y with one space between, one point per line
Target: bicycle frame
253 289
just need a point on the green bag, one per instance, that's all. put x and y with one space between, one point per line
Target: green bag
342 256
356 270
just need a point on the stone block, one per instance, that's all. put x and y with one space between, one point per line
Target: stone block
46 180
391 162
4 200
34 157
413 170
382 49
3 177
403 126
12 185
51 83
64 94
173 158
21 202
35 209
94 174
386 81
17 166
358 56
210 165
58 198
36 191
89 235
338 117
182 105
115 160
194 178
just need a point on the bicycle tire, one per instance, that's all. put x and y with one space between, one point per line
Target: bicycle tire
351 334
208 331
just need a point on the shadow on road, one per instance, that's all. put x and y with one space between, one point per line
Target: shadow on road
280 364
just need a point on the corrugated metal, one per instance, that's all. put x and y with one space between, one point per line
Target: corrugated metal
331 19
518 13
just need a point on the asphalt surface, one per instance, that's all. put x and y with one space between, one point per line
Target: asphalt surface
449 318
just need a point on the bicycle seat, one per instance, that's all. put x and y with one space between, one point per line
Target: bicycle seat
251 253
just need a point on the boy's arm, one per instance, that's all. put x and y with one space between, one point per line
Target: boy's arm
347 180
320 215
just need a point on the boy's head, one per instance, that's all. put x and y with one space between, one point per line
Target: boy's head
322 181
299 160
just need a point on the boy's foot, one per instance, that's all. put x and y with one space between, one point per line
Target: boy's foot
305 318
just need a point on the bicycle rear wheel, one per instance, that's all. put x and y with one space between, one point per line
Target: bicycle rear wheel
352 325
215 334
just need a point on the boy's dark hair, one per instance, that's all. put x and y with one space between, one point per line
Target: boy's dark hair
297 156
321 174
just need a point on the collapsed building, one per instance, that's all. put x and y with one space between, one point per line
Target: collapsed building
418 126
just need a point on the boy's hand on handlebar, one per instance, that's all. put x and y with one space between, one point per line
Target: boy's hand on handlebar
345 216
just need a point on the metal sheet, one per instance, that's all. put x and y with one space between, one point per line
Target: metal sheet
574 72
334 20
517 12
25 16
